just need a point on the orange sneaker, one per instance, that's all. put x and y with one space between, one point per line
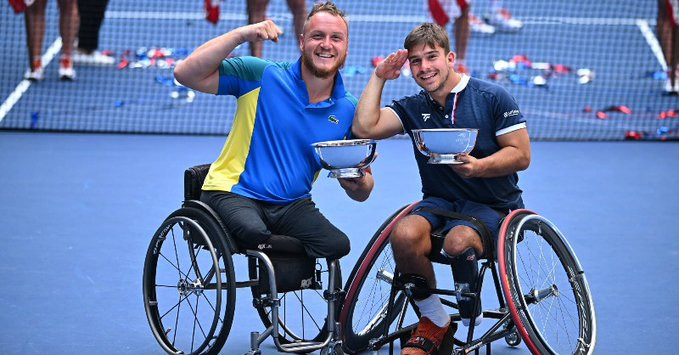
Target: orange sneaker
427 338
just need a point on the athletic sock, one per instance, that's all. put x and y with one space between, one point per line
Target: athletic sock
432 308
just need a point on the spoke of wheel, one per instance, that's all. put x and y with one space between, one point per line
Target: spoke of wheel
181 273
176 320
195 320
306 310
195 317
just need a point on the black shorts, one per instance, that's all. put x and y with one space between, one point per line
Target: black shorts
251 222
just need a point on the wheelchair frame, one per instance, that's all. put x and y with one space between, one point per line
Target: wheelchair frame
210 248
371 325
209 281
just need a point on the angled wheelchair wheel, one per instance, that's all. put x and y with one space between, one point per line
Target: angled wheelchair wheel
545 287
365 316
189 285
301 314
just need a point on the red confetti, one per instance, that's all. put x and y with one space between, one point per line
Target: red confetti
601 115
587 108
621 108
377 60
123 63
561 69
494 76
668 114
633 135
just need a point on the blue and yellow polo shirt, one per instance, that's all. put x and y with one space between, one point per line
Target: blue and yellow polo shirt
268 154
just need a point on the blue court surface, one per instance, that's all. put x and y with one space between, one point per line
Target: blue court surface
77 212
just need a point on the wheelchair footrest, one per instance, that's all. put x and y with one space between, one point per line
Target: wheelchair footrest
301 346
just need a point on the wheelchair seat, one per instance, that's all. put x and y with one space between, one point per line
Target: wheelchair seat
191 255
276 245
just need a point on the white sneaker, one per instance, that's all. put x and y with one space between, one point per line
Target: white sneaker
668 89
66 71
94 58
503 21
479 26
35 75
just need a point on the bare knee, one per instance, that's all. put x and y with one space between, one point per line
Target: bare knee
404 237
461 238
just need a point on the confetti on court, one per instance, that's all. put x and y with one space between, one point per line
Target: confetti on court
155 57
522 71
661 134
664 115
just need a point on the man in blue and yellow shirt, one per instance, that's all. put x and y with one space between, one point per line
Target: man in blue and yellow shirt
260 184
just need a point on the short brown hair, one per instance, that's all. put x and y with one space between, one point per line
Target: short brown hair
328 7
430 34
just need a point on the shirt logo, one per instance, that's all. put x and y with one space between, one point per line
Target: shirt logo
425 116
333 119
511 113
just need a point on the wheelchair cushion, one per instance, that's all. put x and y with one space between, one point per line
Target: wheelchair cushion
193 181
282 245
293 272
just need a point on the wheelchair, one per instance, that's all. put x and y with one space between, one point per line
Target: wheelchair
189 285
543 294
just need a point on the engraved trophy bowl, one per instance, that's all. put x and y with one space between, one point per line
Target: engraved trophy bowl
443 145
346 158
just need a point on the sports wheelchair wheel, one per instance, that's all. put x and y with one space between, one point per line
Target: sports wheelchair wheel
364 316
189 285
545 287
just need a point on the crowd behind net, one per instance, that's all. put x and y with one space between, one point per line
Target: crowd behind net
579 70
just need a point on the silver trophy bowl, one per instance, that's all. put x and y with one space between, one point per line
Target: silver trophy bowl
346 158
443 145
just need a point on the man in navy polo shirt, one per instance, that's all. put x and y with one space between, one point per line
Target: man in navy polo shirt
260 184
483 185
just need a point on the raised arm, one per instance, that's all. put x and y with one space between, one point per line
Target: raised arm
369 120
200 70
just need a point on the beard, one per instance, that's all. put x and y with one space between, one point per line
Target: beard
320 72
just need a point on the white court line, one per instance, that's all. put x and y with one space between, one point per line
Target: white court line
14 97
652 41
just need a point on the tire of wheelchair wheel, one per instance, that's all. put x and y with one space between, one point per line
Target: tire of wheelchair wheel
517 301
353 342
216 236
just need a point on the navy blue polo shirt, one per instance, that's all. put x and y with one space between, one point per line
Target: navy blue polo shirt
473 103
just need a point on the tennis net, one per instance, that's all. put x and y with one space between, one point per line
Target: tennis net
578 70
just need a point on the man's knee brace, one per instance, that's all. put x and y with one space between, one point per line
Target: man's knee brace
466 274
414 285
